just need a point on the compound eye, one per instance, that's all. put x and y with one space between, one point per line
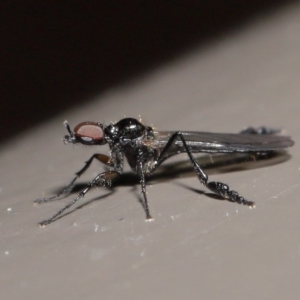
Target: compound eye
89 133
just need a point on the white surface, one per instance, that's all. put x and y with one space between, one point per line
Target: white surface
198 247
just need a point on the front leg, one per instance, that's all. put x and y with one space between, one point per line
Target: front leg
219 188
67 190
103 179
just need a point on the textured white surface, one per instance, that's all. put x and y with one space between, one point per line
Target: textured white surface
198 247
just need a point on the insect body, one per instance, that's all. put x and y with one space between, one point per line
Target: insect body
145 149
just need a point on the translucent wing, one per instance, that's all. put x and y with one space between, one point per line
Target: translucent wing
222 142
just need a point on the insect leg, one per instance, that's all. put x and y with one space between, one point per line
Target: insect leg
260 130
144 192
219 188
67 190
103 179
224 191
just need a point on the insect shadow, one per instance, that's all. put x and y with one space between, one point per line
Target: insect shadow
216 164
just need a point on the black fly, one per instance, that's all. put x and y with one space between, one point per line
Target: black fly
145 150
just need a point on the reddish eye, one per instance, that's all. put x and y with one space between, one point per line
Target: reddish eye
89 132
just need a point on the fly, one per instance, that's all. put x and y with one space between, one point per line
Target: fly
145 149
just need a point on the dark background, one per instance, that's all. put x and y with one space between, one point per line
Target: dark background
55 55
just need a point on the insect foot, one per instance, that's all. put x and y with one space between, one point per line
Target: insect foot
223 190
